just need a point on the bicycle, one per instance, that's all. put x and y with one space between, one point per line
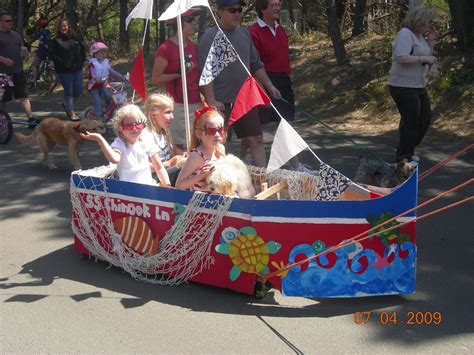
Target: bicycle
119 98
6 125
46 73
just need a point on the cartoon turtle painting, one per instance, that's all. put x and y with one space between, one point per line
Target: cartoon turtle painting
248 252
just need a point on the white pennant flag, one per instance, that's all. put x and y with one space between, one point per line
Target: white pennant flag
181 6
286 144
141 10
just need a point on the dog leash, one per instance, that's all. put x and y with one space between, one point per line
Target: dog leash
358 145
444 162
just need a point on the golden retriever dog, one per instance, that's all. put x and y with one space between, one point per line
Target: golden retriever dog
52 131
230 177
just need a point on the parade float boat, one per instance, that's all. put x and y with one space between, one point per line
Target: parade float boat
170 236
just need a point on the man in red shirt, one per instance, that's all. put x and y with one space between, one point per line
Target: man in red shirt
271 42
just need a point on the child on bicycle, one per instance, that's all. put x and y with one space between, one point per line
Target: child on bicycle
43 48
129 150
159 110
99 70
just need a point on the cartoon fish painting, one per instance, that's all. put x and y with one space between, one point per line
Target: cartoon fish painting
136 233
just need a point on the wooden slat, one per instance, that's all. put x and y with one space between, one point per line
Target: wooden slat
271 190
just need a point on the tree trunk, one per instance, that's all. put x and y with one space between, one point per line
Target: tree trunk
155 16
123 34
304 16
20 19
413 3
404 4
100 31
162 23
341 6
462 13
291 16
71 16
358 27
335 33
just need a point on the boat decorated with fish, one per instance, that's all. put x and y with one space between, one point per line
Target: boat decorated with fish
295 242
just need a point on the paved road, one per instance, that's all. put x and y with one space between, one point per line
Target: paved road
51 301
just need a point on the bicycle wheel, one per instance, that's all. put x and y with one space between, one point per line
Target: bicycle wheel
6 127
49 78
88 114
30 79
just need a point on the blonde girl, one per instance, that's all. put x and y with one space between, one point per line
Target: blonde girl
129 151
207 146
159 111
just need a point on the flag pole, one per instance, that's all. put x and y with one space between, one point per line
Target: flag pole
183 81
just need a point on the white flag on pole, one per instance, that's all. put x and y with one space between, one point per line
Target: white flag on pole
181 6
286 144
141 10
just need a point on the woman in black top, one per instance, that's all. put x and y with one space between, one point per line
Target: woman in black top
68 55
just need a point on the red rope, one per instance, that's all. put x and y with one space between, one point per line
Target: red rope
365 235
442 163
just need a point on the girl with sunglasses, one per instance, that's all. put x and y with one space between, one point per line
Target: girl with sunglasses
207 146
129 151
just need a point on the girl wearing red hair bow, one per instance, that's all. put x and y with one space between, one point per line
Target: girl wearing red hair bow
207 146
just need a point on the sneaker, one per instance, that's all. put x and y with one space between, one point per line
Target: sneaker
303 168
74 117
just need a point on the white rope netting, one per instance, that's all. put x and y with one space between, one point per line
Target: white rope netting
326 185
182 253
301 186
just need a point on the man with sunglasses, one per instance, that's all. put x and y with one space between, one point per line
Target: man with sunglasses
222 92
11 63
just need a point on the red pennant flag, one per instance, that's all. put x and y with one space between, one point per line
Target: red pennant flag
249 96
137 76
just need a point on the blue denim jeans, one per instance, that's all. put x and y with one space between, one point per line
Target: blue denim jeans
96 94
72 85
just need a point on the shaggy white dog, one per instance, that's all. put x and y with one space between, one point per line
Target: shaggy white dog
230 177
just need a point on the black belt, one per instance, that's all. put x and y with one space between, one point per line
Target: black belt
278 73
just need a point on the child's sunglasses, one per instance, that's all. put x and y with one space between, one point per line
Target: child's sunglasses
233 10
130 126
211 131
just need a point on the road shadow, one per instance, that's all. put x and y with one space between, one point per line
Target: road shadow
65 263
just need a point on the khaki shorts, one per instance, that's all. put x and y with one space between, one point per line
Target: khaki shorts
178 127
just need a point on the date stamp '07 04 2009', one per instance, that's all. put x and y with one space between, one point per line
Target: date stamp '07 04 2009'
395 318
